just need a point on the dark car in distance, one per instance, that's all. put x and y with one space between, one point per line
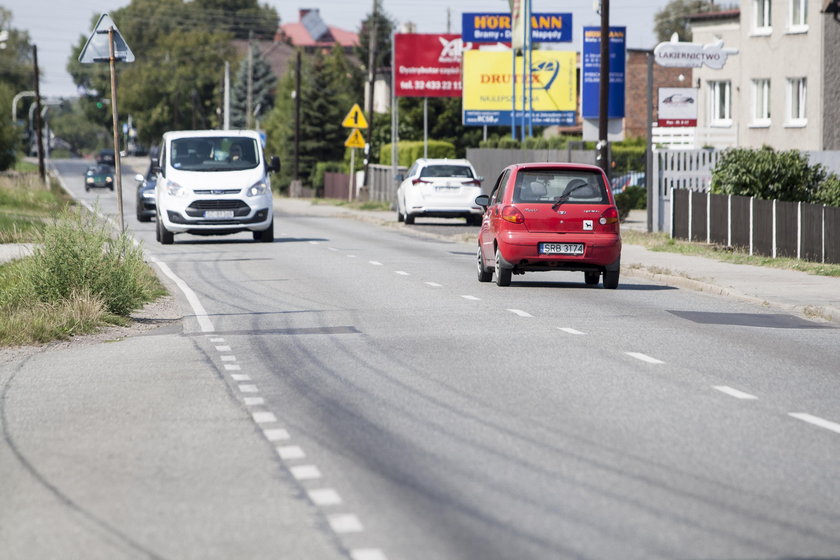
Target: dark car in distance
146 195
100 176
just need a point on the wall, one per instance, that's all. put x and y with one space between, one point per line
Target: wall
635 90
831 83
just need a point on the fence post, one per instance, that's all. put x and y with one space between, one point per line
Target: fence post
671 214
799 231
690 212
823 233
729 221
774 228
708 217
752 223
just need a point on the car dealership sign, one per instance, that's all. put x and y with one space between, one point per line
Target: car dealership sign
678 54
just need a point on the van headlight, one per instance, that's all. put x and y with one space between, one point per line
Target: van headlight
257 189
174 189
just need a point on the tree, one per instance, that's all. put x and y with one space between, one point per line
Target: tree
240 17
263 83
16 75
70 123
446 123
673 18
384 26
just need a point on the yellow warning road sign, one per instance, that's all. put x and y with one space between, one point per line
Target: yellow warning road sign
355 118
355 140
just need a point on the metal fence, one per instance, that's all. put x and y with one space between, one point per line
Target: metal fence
382 183
763 227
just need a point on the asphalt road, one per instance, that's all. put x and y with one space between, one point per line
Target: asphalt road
353 391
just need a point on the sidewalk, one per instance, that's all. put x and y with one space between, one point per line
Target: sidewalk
814 297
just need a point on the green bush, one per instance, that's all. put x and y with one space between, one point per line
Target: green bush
410 151
632 198
626 158
508 143
535 143
316 178
78 256
829 191
768 174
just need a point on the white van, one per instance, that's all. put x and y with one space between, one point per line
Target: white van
214 182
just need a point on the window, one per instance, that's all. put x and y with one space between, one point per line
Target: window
761 102
796 96
762 24
720 103
798 16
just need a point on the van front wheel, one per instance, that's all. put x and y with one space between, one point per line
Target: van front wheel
265 236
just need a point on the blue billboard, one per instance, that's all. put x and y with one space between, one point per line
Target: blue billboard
495 28
591 72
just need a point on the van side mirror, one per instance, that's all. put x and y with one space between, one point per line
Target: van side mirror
399 177
274 164
483 200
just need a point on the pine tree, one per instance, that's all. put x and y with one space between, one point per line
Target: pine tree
263 90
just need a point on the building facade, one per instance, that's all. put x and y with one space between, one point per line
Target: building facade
781 89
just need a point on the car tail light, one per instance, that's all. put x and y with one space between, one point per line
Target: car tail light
610 216
472 183
513 215
415 181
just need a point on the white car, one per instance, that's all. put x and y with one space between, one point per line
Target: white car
440 188
214 182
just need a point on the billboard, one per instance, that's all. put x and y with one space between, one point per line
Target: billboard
496 28
591 74
428 65
488 88
677 107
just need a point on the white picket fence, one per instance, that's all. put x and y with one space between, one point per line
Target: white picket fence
678 169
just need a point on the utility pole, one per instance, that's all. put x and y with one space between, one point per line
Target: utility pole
296 172
371 80
41 170
604 89
249 96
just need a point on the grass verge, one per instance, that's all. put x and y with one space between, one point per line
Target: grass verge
79 278
353 204
663 243
26 206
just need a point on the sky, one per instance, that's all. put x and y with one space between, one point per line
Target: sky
56 25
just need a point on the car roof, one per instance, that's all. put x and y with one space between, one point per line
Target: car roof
443 161
175 134
554 165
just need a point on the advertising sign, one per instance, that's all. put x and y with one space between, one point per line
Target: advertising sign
496 28
677 107
488 88
428 65
677 54
591 79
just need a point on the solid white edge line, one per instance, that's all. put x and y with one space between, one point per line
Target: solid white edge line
568 330
198 310
644 358
816 421
734 392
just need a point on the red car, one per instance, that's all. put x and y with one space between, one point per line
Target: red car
550 216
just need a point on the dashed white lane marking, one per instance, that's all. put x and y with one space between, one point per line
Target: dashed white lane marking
471 298
402 273
222 348
644 358
217 340
520 312
734 392
367 554
332 248
305 472
276 434
325 497
254 401
375 263
434 284
568 330
229 358
264 417
351 256
240 377
233 367
290 452
816 421
345 523
246 388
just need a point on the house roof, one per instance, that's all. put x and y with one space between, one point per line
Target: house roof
712 16
312 31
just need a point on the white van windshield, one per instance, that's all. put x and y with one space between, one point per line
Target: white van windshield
214 153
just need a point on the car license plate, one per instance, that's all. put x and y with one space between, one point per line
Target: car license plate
561 248
218 214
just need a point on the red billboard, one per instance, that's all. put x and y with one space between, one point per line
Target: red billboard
428 65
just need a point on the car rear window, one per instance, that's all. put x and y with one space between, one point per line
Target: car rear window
447 171
547 185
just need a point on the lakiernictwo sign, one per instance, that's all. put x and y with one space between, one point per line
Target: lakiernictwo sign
495 28
591 75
